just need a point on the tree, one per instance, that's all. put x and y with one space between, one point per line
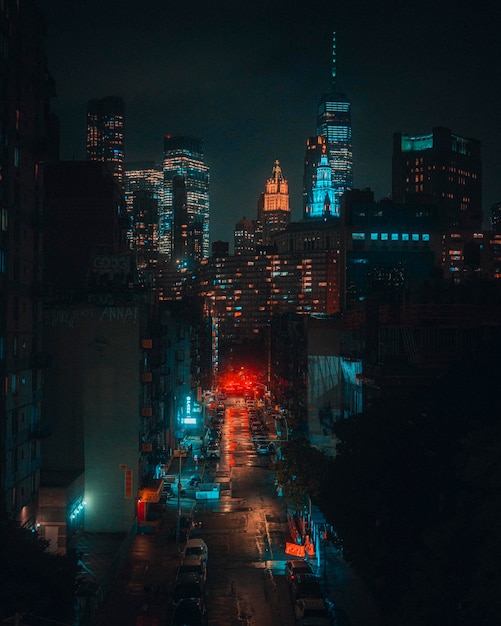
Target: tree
413 495
33 580
300 472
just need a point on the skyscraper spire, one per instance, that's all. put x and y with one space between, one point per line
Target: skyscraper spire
334 60
334 123
277 172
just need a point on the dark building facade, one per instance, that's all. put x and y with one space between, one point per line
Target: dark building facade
440 168
28 136
388 250
83 203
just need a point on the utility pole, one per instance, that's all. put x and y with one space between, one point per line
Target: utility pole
179 486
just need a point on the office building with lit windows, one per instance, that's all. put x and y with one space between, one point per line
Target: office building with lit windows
442 168
334 123
243 292
184 157
244 237
388 250
105 133
144 199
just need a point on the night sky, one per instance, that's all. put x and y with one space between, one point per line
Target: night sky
246 77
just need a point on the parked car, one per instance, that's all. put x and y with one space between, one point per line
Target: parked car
194 565
188 587
197 547
213 451
296 567
306 586
189 613
263 448
312 612
194 480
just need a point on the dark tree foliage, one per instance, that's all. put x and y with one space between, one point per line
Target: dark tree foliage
414 496
300 472
33 581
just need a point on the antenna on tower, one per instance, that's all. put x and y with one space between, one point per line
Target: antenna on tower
334 58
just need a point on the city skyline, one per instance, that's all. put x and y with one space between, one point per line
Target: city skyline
247 81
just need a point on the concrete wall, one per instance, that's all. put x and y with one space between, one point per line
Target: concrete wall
93 395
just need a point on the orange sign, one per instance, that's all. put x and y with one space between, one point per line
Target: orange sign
294 549
128 483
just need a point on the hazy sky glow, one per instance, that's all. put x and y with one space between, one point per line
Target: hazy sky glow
246 77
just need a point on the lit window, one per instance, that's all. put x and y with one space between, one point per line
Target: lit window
415 237
384 236
358 236
405 237
394 236
374 236
425 237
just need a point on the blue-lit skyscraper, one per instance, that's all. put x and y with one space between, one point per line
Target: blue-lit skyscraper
320 194
334 123
184 157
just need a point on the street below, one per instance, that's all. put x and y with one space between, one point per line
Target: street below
245 530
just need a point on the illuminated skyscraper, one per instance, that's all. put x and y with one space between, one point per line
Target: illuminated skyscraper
184 156
105 133
144 197
180 243
273 208
314 150
321 198
334 123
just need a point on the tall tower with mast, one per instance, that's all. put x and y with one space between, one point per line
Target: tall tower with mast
334 123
